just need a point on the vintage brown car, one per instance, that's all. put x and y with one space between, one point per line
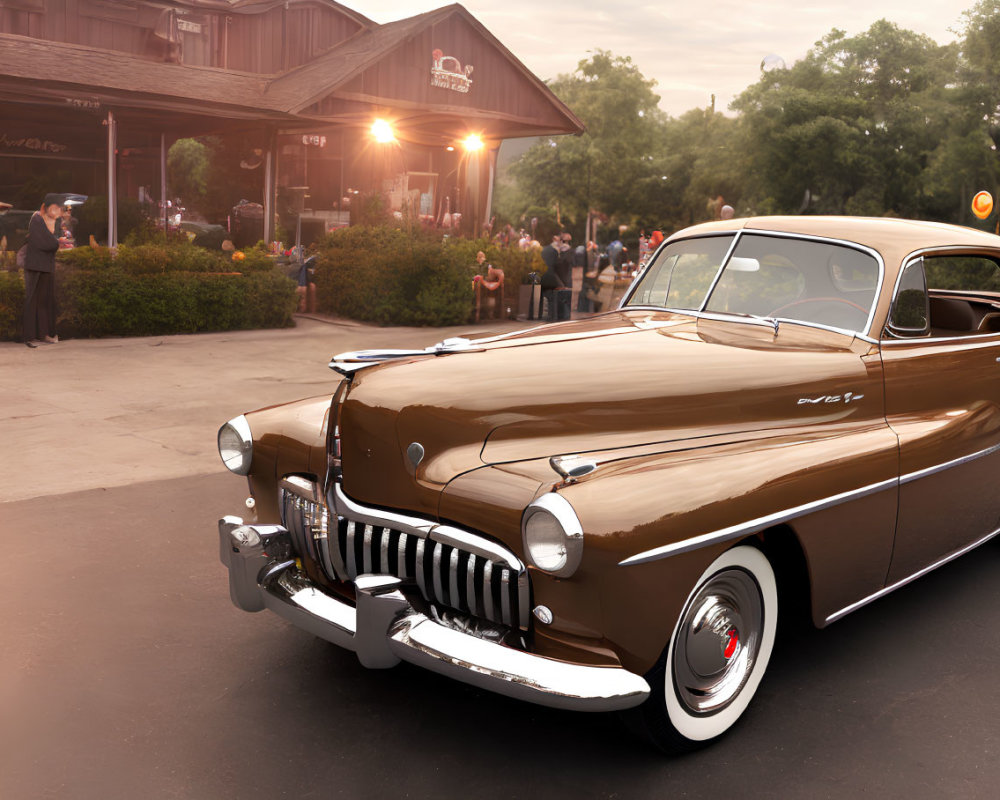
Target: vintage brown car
602 514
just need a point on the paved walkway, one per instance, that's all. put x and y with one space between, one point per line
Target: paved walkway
97 413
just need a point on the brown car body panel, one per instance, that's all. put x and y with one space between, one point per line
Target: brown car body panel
700 429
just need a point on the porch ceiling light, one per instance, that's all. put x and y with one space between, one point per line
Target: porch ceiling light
382 132
472 143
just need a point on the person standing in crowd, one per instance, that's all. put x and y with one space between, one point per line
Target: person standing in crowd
564 261
655 240
550 254
39 272
616 251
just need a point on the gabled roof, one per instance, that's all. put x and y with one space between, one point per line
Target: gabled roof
123 79
301 87
259 6
304 85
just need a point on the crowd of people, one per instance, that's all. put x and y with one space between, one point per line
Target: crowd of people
561 258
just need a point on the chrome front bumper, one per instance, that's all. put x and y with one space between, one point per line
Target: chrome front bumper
383 628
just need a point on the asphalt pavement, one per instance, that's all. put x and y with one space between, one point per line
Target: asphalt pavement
125 672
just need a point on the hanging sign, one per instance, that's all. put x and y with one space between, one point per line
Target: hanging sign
314 139
28 144
84 103
447 72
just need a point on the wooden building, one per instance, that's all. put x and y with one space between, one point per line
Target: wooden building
331 106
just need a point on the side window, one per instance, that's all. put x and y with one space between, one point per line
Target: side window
910 312
962 274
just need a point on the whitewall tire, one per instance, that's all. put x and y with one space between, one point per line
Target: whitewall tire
717 655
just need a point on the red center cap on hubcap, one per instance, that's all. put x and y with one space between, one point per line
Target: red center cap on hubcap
731 645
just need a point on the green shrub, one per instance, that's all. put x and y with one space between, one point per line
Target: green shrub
11 304
113 302
393 276
92 258
255 259
407 275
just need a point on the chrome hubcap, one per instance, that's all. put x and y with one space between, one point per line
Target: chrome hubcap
717 642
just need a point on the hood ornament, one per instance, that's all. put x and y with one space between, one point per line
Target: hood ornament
572 467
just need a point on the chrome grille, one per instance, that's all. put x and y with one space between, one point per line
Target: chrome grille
445 574
450 566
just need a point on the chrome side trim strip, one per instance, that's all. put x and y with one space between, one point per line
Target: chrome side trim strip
923 473
961 340
754 525
899 584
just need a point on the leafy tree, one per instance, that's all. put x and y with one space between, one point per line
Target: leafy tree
703 160
610 167
187 170
854 124
213 173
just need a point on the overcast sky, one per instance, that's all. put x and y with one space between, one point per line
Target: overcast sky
692 50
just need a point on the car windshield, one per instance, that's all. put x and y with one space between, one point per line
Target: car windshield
682 273
784 278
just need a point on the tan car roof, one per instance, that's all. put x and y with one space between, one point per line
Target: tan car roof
893 238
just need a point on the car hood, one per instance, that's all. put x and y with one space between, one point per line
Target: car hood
619 380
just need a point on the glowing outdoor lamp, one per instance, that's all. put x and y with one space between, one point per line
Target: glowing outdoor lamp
982 204
382 132
472 143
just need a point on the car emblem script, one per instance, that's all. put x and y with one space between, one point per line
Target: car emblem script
846 398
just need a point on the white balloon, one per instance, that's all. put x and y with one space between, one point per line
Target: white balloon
772 62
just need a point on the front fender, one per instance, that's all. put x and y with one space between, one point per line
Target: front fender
669 514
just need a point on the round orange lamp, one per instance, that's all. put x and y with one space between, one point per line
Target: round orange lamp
982 204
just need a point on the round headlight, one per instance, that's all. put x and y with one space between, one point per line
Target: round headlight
553 536
236 445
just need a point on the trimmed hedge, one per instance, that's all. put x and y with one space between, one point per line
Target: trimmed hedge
114 303
394 276
11 304
158 257
156 289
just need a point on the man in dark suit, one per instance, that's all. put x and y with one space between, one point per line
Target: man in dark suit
39 272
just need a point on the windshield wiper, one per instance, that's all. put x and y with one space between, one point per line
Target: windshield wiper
772 321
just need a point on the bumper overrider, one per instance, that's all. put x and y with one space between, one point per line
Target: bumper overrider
383 627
